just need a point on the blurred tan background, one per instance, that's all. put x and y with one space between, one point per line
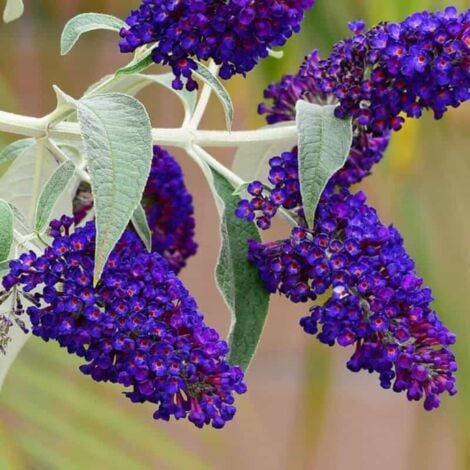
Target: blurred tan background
304 410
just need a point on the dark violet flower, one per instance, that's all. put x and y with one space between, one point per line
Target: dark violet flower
379 76
393 69
169 208
170 211
376 301
234 33
138 327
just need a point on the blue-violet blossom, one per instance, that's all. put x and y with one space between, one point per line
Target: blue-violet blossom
376 301
234 33
138 327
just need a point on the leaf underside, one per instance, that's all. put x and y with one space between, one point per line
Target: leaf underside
237 280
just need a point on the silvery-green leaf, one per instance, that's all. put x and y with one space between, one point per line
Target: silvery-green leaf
18 181
84 23
4 267
116 131
141 226
15 149
13 10
138 65
6 230
208 77
133 84
237 279
324 145
20 219
251 161
51 192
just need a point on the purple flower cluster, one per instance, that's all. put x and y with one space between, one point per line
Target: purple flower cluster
168 205
376 300
170 211
284 177
138 327
390 70
234 33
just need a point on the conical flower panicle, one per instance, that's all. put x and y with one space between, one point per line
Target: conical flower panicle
138 327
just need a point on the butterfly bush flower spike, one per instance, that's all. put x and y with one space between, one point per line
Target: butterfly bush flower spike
139 327
375 299
234 33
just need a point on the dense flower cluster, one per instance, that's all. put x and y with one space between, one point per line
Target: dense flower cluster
377 301
169 208
234 33
170 211
284 177
394 68
138 327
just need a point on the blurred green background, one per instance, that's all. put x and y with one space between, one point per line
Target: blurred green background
304 410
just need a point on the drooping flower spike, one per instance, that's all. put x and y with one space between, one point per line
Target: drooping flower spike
138 327
234 33
169 208
381 75
376 301
389 70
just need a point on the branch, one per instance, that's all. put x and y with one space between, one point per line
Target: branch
38 127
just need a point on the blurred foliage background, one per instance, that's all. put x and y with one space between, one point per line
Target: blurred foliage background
304 410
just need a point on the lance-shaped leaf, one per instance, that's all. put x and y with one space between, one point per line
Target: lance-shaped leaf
141 226
324 144
221 92
15 149
6 229
13 10
118 142
51 192
238 281
139 64
84 23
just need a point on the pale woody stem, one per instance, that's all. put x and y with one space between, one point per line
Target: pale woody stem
37 127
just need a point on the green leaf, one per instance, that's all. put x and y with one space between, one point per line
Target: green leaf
10 152
6 229
139 221
51 192
20 219
4 267
137 65
208 77
324 145
133 84
237 280
116 131
84 23
13 10
17 182
251 161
